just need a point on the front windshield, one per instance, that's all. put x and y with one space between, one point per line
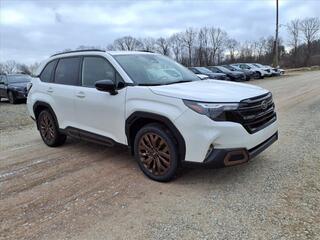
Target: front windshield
152 69
204 70
223 69
229 67
236 68
19 79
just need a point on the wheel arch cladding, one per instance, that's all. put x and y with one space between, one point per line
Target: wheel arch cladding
139 119
40 106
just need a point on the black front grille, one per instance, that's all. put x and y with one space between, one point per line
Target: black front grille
254 113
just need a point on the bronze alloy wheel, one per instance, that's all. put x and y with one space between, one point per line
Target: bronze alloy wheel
46 127
154 154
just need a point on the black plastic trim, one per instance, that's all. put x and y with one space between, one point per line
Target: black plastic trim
46 105
89 136
217 156
159 118
76 51
262 146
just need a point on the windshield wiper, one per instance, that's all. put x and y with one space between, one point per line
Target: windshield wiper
182 81
150 84
167 83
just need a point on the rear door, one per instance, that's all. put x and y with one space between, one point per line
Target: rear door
96 111
66 77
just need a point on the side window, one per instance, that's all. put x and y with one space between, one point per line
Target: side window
95 69
67 71
46 75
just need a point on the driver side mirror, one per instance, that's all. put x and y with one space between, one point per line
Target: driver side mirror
106 86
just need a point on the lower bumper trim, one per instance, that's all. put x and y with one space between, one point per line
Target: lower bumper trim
229 157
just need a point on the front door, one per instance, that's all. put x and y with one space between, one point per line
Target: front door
96 111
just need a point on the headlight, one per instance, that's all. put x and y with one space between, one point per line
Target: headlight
215 111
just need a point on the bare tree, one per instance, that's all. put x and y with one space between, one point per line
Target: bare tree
218 38
10 66
188 39
127 43
177 46
23 68
33 67
203 51
163 46
148 44
261 48
232 46
310 29
2 68
293 28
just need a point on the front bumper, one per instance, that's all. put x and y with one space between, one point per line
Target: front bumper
229 157
21 94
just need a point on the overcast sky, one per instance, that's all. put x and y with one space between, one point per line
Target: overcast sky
32 30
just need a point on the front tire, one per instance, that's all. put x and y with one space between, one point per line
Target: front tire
49 130
156 152
12 98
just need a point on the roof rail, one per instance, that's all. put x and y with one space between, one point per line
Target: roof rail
75 51
143 50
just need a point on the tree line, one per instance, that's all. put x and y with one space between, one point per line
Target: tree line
212 45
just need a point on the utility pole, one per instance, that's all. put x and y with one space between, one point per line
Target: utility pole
276 45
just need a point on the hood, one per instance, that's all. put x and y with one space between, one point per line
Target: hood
19 85
210 91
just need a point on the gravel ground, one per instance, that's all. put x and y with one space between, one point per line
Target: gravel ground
85 191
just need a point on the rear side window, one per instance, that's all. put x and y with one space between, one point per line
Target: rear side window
95 69
67 71
46 75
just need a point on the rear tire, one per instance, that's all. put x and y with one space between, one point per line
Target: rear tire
12 98
49 130
156 152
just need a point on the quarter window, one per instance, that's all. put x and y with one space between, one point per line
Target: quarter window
46 75
95 69
67 71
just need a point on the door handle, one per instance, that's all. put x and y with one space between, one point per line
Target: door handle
80 95
50 90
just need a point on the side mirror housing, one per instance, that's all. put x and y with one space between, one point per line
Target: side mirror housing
106 86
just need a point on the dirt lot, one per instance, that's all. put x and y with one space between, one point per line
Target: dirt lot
85 191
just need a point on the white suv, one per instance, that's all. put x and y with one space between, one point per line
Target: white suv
259 72
166 115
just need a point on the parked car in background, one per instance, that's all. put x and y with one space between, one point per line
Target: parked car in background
167 120
282 71
248 73
233 75
14 87
210 74
268 69
260 73
203 76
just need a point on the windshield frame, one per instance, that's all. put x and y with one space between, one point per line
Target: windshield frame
186 71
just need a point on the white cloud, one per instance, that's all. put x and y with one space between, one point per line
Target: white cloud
33 29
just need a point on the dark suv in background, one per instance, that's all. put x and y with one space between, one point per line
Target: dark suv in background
233 75
14 87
